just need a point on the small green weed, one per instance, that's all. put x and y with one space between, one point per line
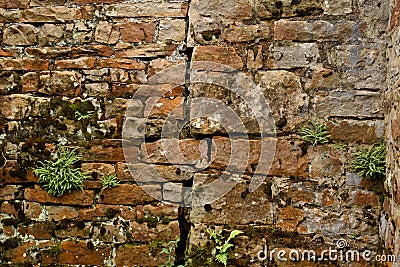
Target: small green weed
371 162
109 181
170 253
315 133
220 252
60 176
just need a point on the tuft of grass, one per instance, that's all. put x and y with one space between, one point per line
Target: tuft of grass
109 181
315 133
371 162
60 176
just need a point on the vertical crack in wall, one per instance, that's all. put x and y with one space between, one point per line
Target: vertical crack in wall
183 213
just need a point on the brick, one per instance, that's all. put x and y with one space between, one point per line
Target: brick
109 233
80 198
363 198
120 63
125 194
172 29
165 151
289 218
27 64
67 83
10 192
97 89
289 160
287 99
80 63
165 107
98 168
14 4
350 104
20 255
131 255
8 209
86 2
20 34
325 162
108 154
69 52
106 33
253 207
247 33
118 106
337 8
134 32
79 252
101 211
30 82
32 210
18 106
146 173
40 231
234 9
144 50
294 56
59 14
51 14
147 9
284 9
320 30
50 35
81 231
12 173
163 232
58 213
366 132
223 55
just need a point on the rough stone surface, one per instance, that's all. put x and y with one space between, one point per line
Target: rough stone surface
78 73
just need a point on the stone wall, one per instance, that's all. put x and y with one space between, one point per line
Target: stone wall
390 217
313 60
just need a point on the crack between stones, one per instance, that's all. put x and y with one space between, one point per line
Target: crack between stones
183 212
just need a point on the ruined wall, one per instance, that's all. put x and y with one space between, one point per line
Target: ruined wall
313 60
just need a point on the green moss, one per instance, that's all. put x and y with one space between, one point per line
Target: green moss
110 212
201 255
155 245
151 221
68 109
165 220
54 251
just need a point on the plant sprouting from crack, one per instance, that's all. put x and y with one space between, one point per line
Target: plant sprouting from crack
371 162
79 116
315 133
220 252
169 251
60 176
109 181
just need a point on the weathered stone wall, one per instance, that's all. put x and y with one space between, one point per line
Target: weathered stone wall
312 59
390 218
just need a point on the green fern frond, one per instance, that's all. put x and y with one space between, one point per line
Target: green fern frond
371 162
315 133
60 176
